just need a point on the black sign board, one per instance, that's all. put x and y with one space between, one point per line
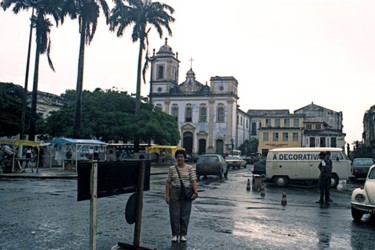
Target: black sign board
114 178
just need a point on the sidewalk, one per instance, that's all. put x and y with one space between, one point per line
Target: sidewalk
58 172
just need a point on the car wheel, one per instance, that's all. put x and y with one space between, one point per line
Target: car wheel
281 181
356 214
334 180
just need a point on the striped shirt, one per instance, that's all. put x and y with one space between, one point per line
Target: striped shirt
187 175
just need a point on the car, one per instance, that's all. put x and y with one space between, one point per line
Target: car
360 167
235 161
211 164
363 198
259 167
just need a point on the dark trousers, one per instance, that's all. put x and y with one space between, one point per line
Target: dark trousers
179 212
324 185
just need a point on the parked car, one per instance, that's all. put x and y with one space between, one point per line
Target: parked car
360 167
363 198
235 161
260 167
211 164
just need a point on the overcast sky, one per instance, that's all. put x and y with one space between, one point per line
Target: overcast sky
285 54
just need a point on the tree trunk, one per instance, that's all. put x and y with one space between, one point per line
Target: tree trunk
138 93
34 94
78 104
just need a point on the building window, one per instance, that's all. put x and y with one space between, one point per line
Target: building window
247 123
220 113
277 122
275 136
333 142
238 120
286 123
188 113
285 136
253 128
296 122
308 126
318 126
160 72
295 136
268 123
312 142
265 136
322 141
174 112
203 113
241 121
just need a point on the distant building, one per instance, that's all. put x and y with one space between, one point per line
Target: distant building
46 103
208 116
323 127
368 135
309 126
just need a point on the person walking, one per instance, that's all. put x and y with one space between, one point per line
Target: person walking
325 167
179 207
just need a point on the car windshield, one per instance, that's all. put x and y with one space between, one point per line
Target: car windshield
208 159
363 162
232 158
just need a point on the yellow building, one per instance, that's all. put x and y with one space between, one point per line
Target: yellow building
280 131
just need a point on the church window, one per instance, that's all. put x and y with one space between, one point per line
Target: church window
308 126
174 112
188 113
268 122
318 126
220 113
203 113
160 72
160 89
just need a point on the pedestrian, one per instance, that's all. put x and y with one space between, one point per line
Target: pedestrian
325 167
179 207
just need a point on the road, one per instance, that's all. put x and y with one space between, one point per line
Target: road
45 214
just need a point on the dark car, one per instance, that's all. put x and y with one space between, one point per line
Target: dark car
260 167
360 167
211 164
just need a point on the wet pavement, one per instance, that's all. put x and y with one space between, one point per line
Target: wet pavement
44 214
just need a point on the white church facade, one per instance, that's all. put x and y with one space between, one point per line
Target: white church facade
208 116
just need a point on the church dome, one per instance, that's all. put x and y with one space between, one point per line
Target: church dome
165 49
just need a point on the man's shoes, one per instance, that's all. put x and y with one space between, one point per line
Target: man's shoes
319 201
183 238
174 238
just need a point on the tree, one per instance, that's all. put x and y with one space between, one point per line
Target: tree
10 109
140 14
109 115
88 12
43 8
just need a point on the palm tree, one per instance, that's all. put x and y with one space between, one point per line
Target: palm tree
140 14
88 12
43 8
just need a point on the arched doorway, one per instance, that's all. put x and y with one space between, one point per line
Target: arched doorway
188 142
202 147
219 146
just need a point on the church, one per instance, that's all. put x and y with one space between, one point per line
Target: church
208 116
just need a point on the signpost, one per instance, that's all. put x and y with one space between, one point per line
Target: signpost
102 179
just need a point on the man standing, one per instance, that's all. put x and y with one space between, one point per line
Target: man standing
325 167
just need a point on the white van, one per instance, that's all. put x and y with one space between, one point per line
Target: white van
287 164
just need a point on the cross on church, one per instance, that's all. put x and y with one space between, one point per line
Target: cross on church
191 62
